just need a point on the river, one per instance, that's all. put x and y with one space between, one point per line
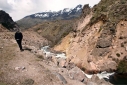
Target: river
113 78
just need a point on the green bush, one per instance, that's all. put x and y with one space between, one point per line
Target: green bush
122 66
117 54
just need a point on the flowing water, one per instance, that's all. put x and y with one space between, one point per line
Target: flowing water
115 80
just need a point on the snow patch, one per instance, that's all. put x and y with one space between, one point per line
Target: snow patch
41 15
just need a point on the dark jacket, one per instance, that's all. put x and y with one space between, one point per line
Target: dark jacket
18 36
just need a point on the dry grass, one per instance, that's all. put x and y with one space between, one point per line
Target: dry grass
54 31
110 12
7 53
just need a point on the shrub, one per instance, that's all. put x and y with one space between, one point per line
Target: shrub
40 56
122 45
115 59
117 54
83 68
122 66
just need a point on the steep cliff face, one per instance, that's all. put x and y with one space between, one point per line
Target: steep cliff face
99 40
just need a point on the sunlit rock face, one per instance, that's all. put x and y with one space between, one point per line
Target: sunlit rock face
98 41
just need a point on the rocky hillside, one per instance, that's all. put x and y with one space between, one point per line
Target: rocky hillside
54 31
65 14
6 20
99 41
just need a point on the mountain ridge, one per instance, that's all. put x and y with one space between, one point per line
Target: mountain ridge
6 20
49 14
65 14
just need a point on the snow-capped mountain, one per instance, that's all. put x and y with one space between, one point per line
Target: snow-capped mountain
66 13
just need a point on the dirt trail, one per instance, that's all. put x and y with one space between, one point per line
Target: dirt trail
25 68
22 68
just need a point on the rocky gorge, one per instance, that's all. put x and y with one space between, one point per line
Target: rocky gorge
37 66
96 43
89 50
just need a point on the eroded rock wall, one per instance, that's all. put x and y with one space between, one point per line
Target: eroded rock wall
99 40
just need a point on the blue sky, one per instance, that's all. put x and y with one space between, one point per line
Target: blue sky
18 9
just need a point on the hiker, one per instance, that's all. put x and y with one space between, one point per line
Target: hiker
18 38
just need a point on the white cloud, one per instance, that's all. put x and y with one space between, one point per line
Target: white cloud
4 5
21 8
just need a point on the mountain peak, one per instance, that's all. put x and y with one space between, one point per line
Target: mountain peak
79 6
66 12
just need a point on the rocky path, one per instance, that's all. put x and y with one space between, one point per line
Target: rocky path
22 68
27 67
30 67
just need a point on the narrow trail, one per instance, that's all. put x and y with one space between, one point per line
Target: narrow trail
22 68
25 68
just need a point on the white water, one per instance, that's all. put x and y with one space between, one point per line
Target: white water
105 75
101 75
46 50
62 55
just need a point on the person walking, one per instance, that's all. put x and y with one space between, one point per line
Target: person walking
18 38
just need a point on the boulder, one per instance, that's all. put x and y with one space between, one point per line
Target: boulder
100 51
61 62
77 74
108 66
60 77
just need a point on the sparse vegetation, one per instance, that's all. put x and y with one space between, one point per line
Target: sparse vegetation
28 82
121 37
117 54
83 69
109 11
40 56
2 83
122 66
8 25
54 31
115 59
125 42
122 45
